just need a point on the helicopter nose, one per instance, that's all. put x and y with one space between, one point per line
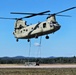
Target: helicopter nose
58 27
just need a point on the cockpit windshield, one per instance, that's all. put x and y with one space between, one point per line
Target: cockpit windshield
54 22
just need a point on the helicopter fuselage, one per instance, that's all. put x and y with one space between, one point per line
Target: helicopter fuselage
22 31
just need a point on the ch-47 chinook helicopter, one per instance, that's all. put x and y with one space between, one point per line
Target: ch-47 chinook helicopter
24 31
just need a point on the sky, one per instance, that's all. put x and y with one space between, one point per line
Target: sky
60 44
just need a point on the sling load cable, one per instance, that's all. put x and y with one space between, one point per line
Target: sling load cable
29 52
40 45
39 48
39 52
40 41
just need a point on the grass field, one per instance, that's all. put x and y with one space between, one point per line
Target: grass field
37 71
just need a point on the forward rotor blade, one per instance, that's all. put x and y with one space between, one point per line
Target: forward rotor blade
65 10
64 15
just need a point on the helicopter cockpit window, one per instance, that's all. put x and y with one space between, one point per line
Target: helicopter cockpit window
44 25
52 23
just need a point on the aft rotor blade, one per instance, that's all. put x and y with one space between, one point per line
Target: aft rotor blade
8 18
22 13
29 13
41 13
65 10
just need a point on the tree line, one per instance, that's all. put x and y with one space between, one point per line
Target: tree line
54 60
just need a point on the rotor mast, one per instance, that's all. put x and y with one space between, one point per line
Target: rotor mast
51 18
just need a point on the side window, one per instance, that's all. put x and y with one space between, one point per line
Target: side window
21 31
26 30
44 25
32 28
20 27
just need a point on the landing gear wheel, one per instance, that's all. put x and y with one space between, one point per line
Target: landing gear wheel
47 37
28 40
17 40
36 36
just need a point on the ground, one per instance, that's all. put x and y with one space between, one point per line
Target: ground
43 69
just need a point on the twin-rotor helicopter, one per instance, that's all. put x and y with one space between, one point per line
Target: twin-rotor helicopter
24 31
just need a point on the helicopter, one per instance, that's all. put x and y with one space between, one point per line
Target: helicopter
24 31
